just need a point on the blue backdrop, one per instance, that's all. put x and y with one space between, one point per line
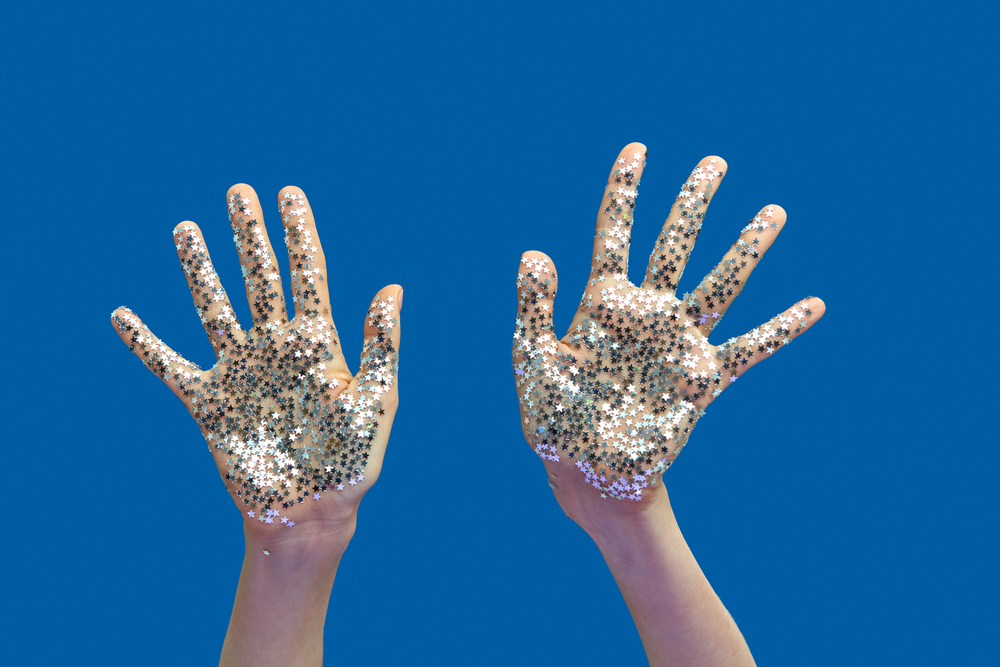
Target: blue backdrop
841 500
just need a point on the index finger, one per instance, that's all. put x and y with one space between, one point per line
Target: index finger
614 220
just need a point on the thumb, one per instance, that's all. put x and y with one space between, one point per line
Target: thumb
380 353
536 292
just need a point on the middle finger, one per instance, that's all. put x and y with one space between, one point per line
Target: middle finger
680 231
311 294
260 266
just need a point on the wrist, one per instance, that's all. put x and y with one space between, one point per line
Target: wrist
679 617
621 525
282 598
301 542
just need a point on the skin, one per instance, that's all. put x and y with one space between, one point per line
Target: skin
281 602
609 406
287 576
297 438
680 619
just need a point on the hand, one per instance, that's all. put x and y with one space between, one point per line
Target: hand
618 396
285 420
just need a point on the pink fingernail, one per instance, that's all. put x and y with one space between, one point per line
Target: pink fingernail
400 298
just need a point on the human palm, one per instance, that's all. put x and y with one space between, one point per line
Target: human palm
619 395
284 417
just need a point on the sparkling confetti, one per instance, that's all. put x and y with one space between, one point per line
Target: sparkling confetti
279 410
620 393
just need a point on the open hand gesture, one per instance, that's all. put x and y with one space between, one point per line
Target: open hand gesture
284 418
618 396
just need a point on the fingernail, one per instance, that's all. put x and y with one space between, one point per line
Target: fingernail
400 299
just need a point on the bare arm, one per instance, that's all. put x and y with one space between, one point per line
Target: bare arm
610 405
678 615
297 438
281 603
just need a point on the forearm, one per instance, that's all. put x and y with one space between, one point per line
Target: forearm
281 602
681 621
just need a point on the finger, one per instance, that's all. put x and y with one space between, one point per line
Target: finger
371 398
210 300
710 300
680 231
742 353
260 266
537 283
305 254
614 220
380 352
182 376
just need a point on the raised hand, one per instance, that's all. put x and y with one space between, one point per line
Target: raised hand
297 438
618 396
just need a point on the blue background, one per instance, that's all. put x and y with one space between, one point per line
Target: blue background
841 500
